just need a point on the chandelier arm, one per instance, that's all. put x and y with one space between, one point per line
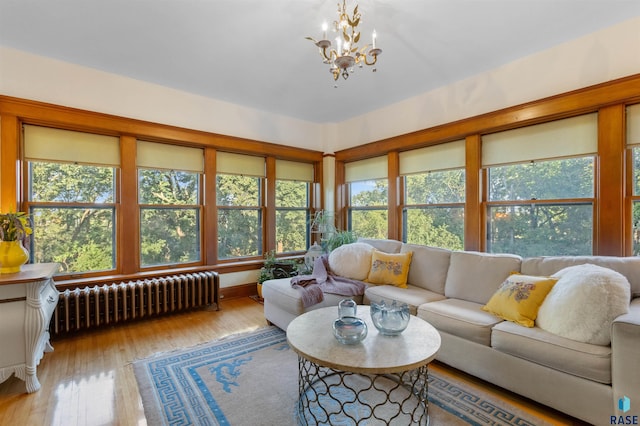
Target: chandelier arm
332 54
366 59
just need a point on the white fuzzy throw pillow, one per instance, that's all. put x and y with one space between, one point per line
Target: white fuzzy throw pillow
351 260
584 302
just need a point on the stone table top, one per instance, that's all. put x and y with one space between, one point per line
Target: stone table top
310 335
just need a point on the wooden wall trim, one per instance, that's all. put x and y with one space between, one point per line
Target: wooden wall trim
342 197
609 219
9 163
581 101
210 219
40 113
14 112
127 200
394 195
270 206
473 227
612 208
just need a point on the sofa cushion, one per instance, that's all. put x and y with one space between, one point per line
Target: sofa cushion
460 318
429 266
627 266
351 260
387 246
591 362
584 302
389 268
475 276
519 297
281 295
412 295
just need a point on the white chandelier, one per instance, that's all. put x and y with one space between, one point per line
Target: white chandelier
347 54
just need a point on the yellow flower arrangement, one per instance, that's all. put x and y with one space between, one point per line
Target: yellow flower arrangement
15 226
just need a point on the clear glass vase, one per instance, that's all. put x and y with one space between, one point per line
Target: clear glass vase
348 328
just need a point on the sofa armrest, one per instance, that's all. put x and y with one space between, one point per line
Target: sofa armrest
625 348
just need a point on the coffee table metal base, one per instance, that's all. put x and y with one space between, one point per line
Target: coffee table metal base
328 396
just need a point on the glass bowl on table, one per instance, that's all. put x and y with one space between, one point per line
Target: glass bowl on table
390 319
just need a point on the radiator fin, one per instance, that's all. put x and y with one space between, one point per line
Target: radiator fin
91 307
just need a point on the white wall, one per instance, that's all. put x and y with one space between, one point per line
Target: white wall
38 78
596 58
602 56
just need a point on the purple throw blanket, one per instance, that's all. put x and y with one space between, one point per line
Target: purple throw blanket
322 280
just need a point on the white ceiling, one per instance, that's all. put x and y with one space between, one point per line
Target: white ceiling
254 52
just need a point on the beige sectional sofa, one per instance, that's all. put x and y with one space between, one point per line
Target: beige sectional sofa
449 288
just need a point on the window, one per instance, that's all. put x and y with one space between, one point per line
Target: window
368 214
633 143
292 205
434 184
368 197
537 204
434 214
239 193
169 199
71 197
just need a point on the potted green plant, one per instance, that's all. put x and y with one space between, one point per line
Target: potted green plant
14 228
339 238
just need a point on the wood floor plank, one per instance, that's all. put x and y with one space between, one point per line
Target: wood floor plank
88 379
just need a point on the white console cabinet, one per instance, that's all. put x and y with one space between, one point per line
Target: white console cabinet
27 301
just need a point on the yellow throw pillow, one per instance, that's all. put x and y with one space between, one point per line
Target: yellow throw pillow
389 268
519 297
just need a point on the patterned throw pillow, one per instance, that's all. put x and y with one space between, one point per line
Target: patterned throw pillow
519 297
389 268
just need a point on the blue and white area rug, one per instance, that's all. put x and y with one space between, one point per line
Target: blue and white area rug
252 379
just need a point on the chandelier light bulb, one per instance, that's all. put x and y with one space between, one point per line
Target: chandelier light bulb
325 26
374 36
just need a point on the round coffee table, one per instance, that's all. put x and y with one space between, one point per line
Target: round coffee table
381 380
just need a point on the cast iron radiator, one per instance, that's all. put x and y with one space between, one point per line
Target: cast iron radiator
90 307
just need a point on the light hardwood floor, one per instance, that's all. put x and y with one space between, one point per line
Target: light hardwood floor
88 379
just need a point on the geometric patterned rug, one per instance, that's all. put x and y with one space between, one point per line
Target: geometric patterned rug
251 379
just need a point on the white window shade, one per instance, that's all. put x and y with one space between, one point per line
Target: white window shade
240 164
294 170
633 125
445 156
48 144
562 138
369 169
170 157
